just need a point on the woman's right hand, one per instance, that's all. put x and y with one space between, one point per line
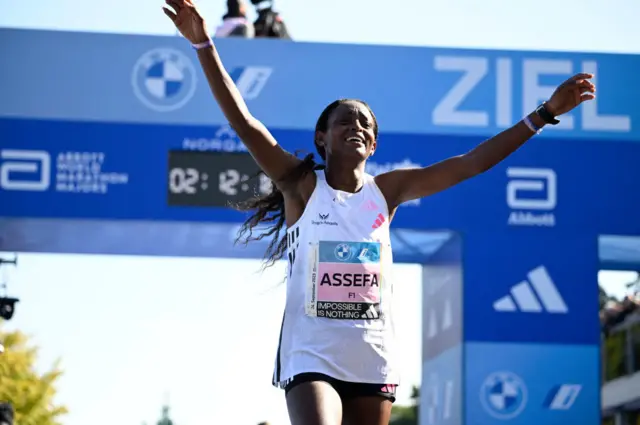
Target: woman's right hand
188 20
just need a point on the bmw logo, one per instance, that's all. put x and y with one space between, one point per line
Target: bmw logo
343 252
503 395
164 79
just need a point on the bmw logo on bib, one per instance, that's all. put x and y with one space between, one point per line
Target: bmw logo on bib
164 79
503 395
343 252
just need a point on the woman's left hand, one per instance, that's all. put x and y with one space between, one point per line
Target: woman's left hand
570 94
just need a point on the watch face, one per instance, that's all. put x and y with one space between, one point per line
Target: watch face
213 179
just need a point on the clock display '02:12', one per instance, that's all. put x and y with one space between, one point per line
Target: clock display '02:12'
213 179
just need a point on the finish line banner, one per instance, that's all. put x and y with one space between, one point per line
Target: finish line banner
59 169
157 79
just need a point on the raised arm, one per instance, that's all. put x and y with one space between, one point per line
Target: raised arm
400 186
272 159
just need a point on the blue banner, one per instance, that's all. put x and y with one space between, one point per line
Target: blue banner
59 169
528 286
151 79
528 384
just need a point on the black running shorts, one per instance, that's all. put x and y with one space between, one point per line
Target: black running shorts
346 390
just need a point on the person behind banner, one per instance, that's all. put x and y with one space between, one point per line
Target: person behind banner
337 357
235 22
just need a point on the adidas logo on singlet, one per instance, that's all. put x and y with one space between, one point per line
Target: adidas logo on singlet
378 222
371 313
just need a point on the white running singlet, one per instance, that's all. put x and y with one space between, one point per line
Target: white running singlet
338 318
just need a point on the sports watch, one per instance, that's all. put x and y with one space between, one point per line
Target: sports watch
546 116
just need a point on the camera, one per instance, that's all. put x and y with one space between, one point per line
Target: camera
7 307
269 23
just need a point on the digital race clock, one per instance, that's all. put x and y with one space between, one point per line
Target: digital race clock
213 179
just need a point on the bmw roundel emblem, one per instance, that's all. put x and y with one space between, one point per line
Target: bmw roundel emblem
164 79
343 252
503 395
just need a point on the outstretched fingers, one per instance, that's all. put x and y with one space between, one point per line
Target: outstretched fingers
587 96
586 86
175 5
581 76
580 87
169 13
584 90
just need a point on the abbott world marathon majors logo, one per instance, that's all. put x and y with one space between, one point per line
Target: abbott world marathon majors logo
164 79
532 196
71 172
503 395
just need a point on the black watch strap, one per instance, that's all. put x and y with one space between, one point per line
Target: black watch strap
546 116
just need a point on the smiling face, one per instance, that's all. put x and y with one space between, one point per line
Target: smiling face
350 133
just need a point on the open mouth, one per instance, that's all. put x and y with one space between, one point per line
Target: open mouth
354 139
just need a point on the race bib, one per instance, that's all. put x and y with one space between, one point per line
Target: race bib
345 281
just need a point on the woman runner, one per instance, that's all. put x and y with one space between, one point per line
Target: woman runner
337 359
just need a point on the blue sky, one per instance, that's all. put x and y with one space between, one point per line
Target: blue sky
587 25
152 325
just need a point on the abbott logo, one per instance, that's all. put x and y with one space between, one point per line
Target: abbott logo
532 194
15 165
523 295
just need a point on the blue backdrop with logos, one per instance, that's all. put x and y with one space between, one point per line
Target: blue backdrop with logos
107 139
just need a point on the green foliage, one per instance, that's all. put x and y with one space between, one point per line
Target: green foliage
603 297
31 394
407 415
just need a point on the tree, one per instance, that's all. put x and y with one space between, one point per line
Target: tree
603 297
407 415
31 393
165 419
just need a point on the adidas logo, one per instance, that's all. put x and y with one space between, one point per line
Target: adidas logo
537 295
371 313
379 222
